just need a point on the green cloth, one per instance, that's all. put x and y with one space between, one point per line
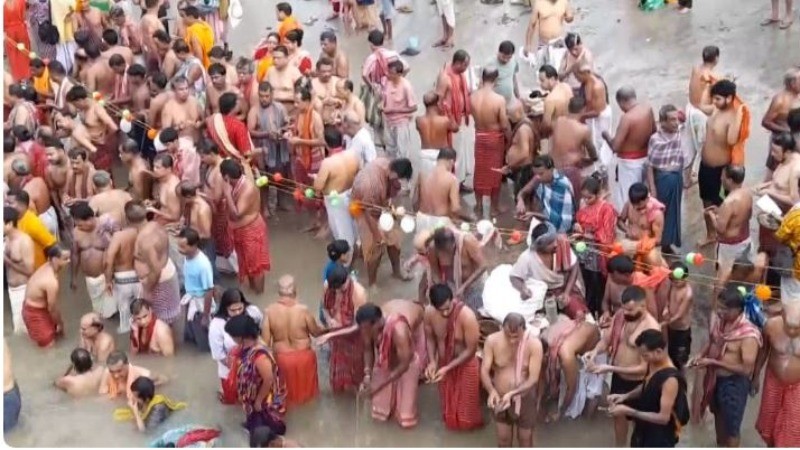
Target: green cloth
651 5
102 5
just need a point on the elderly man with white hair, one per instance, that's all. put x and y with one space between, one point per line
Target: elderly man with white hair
361 141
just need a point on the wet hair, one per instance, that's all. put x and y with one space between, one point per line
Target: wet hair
549 71
20 195
784 140
295 36
490 74
92 50
402 167
180 46
76 93
168 135
396 67
626 94
368 313
81 360
284 7
337 277
150 3
460 56
375 38
633 294
710 53
20 167
665 111
37 63
507 48
137 305
621 264
135 212
262 437
187 189
217 69
230 297
55 250
9 143
440 294
443 237
180 80
115 357
231 169
514 321
305 94
81 211
638 192
281 49
227 103
539 230
591 185
333 137
651 340
159 79
723 88
136 70
55 67
10 215
192 12
21 133
242 326
208 147
348 84
110 37
78 153
446 154
101 178
328 35
543 162
162 36
130 146
571 40
164 160
735 173
245 65
217 52
144 388
337 249
191 236
730 297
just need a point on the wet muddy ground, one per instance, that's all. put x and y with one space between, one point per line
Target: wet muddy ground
651 51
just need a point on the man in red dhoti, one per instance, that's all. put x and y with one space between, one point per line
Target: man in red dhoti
213 187
40 311
453 90
453 332
308 151
780 397
250 238
491 130
229 133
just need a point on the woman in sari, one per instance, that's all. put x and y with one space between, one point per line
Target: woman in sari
16 33
595 221
263 55
146 407
259 386
231 304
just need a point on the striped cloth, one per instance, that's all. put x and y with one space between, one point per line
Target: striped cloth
489 154
460 389
558 201
780 407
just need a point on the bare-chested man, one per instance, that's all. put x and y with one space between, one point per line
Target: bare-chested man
119 374
38 192
139 176
79 184
597 113
149 334
159 95
488 109
775 118
213 186
512 361
182 111
99 75
723 146
779 397
108 199
556 103
334 180
19 264
349 101
642 222
111 38
287 329
91 238
434 129
57 173
102 129
624 360
731 220
525 145
247 83
330 48
93 339
436 198
699 108
571 145
41 311
455 258
121 279
166 206
549 17
282 76
453 92
675 297
324 88
783 184
83 376
452 333
630 143
219 85
729 359
148 25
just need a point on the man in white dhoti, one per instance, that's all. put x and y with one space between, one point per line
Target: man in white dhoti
453 91
92 236
335 180
19 265
436 197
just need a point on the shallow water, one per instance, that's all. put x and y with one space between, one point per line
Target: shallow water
653 52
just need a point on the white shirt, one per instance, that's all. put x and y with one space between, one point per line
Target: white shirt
222 343
364 147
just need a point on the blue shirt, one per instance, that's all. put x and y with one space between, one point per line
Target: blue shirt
198 275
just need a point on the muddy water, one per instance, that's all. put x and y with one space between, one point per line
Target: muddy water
653 52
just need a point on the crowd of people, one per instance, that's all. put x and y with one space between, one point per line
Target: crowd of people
151 163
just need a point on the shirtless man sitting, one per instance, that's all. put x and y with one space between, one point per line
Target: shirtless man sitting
436 197
571 145
119 374
784 185
624 360
512 361
94 339
148 333
41 311
334 180
108 199
642 221
83 376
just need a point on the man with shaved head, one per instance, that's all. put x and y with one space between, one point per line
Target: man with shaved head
525 144
108 199
434 129
287 329
94 339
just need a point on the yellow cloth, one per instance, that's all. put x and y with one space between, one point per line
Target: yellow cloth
288 24
32 225
122 414
205 37
42 84
789 234
263 67
58 12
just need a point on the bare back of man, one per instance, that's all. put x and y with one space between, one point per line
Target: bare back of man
39 194
569 141
83 384
439 194
111 202
738 207
637 124
434 131
412 311
556 104
337 172
291 325
699 87
150 253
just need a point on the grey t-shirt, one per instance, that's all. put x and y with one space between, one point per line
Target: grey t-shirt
505 81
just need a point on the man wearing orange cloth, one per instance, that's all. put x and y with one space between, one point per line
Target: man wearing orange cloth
16 32
286 20
250 236
452 334
199 35
287 329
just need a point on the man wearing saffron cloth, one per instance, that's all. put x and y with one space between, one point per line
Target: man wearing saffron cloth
780 397
308 151
452 334
228 132
250 238
488 109
452 89
729 358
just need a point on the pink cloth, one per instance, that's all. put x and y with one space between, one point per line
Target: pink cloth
190 161
653 207
395 96
375 66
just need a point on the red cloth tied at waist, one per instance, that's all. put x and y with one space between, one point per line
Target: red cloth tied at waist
299 370
40 324
252 248
489 154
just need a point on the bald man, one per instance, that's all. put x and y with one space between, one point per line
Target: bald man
94 339
287 329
